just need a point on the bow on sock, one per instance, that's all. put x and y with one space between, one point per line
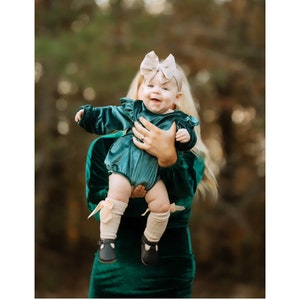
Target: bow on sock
173 208
106 207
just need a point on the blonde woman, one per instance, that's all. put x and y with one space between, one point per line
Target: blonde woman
182 173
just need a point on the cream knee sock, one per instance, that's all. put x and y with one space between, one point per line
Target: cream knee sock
156 225
109 229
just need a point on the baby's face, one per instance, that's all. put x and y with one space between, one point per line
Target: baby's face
159 96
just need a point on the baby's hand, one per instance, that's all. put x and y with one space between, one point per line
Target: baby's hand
182 136
79 115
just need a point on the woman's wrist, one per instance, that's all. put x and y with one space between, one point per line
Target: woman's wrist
167 160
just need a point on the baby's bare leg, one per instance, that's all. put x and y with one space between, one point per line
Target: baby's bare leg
119 188
157 198
159 206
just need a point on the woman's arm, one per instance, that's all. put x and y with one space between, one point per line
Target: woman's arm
183 177
96 174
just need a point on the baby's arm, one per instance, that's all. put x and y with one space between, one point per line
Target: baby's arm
182 136
102 120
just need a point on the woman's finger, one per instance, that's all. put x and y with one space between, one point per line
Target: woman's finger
148 126
138 134
140 144
141 130
139 192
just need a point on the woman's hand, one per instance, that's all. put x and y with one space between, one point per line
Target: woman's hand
157 142
139 192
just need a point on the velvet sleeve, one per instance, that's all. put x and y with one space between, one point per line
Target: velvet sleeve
183 177
106 119
188 123
96 172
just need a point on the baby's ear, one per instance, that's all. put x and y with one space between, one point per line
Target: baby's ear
178 96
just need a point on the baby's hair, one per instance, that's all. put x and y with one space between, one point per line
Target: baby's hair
187 105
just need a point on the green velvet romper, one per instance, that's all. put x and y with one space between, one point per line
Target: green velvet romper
123 157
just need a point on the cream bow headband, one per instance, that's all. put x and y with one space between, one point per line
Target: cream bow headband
151 65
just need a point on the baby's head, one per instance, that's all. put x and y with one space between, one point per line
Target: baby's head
167 69
162 83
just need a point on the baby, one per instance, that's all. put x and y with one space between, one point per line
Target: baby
129 166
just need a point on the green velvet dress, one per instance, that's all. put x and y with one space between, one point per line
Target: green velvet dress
128 277
123 157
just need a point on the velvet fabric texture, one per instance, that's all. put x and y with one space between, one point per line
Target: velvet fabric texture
138 166
173 276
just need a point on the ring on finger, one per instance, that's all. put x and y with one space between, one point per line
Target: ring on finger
142 138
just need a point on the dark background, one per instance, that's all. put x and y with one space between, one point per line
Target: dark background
88 52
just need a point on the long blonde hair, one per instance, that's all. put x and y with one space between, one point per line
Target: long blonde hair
187 105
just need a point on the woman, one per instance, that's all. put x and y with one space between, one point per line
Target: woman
181 172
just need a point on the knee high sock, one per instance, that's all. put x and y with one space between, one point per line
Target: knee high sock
109 229
156 225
